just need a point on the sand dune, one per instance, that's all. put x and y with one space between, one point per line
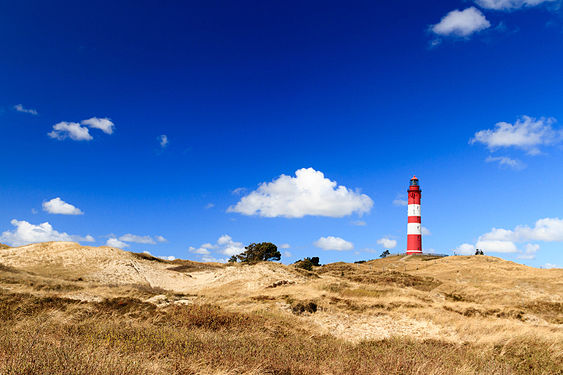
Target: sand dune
454 298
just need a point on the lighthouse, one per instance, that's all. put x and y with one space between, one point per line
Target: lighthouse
414 226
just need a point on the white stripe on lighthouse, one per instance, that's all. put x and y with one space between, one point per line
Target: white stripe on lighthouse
414 228
414 209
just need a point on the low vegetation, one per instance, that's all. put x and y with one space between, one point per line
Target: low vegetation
394 315
307 263
62 336
367 276
147 256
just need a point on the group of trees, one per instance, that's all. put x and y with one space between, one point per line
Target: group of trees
257 252
267 251
385 254
308 263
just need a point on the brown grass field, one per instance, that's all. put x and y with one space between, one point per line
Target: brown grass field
68 309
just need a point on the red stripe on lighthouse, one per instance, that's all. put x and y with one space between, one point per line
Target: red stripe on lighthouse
414 244
414 198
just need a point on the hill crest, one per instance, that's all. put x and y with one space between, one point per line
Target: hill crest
461 298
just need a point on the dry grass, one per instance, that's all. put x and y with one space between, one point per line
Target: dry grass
362 274
180 265
4 268
399 315
550 311
60 336
150 257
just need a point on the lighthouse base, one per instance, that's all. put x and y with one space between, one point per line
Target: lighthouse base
414 243
411 252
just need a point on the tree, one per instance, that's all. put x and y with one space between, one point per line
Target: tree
259 252
479 252
233 259
308 263
385 254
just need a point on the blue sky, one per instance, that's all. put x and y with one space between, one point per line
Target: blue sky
191 129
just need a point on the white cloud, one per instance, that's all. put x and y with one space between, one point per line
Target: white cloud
461 23
509 4
201 250
60 207
465 249
104 124
426 231
208 258
26 233
287 254
284 246
359 223
500 240
333 243
239 191
209 205
547 230
532 248
224 239
497 241
309 193
161 239
230 247
401 200
387 243
505 161
137 239
162 140
71 130
77 132
435 42
550 265
87 238
21 108
499 234
530 253
114 242
526 133
496 246
224 245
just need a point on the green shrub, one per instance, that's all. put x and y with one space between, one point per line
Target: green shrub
301 307
307 263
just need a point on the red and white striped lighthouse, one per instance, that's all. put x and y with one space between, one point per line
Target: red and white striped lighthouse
414 226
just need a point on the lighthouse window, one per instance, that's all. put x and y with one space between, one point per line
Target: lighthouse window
414 183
